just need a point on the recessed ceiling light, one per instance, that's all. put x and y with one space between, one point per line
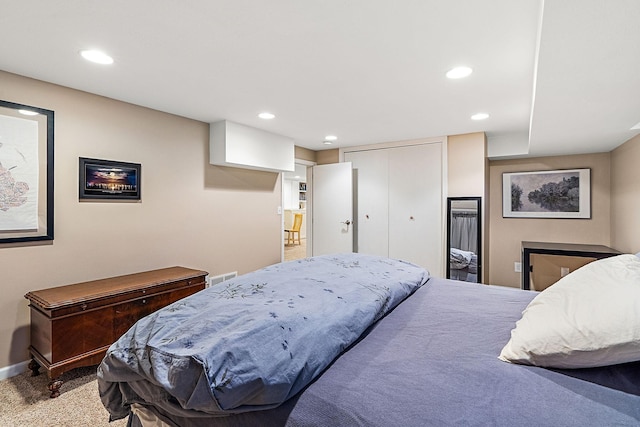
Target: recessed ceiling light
28 112
266 116
480 116
330 138
97 57
459 72
325 142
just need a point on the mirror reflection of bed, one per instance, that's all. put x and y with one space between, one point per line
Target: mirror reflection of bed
464 239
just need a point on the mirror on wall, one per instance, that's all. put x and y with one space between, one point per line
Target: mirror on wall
464 239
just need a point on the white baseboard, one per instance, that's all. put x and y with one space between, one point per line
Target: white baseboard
13 370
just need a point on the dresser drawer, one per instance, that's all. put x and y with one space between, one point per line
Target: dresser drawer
127 313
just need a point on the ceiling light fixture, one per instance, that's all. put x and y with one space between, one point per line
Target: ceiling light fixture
459 72
97 57
325 142
266 116
480 116
330 138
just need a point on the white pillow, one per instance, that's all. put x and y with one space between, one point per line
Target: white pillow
588 318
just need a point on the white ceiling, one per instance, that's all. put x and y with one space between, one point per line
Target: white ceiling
558 78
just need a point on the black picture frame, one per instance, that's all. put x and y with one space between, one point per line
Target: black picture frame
26 173
563 193
108 180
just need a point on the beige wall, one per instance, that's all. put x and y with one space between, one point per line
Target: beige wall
302 153
506 234
325 157
191 214
466 156
625 196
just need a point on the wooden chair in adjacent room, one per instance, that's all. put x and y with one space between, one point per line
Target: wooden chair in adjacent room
295 228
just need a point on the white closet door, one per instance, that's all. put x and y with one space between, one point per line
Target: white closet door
372 200
415 205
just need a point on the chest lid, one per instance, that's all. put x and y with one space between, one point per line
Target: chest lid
120 287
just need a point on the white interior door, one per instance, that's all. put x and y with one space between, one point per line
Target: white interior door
332 205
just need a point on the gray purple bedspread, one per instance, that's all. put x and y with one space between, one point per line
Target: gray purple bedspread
255 341
433 361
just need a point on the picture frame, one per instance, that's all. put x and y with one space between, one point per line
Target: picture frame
26 173
564 193
108 180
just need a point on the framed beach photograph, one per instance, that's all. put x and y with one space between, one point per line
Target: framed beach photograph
26 173
108 180
547 194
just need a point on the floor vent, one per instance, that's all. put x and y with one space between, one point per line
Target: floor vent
214 280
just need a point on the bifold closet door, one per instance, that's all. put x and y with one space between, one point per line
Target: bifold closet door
415 205
371 172
399 203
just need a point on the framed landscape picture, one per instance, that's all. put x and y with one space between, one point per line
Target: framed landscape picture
109 180
547 194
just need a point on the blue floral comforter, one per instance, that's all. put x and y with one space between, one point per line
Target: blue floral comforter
254 341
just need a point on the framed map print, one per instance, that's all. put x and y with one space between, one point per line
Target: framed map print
26 173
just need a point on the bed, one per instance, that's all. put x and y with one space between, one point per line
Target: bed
431 352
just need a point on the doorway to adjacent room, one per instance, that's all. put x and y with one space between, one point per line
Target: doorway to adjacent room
294 200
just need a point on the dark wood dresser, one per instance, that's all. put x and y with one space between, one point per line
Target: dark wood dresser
74 325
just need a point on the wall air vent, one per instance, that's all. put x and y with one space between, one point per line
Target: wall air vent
214 280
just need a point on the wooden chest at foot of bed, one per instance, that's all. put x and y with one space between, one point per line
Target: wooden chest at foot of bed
74 325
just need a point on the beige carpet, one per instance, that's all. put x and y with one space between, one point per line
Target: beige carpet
25 401
295 251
